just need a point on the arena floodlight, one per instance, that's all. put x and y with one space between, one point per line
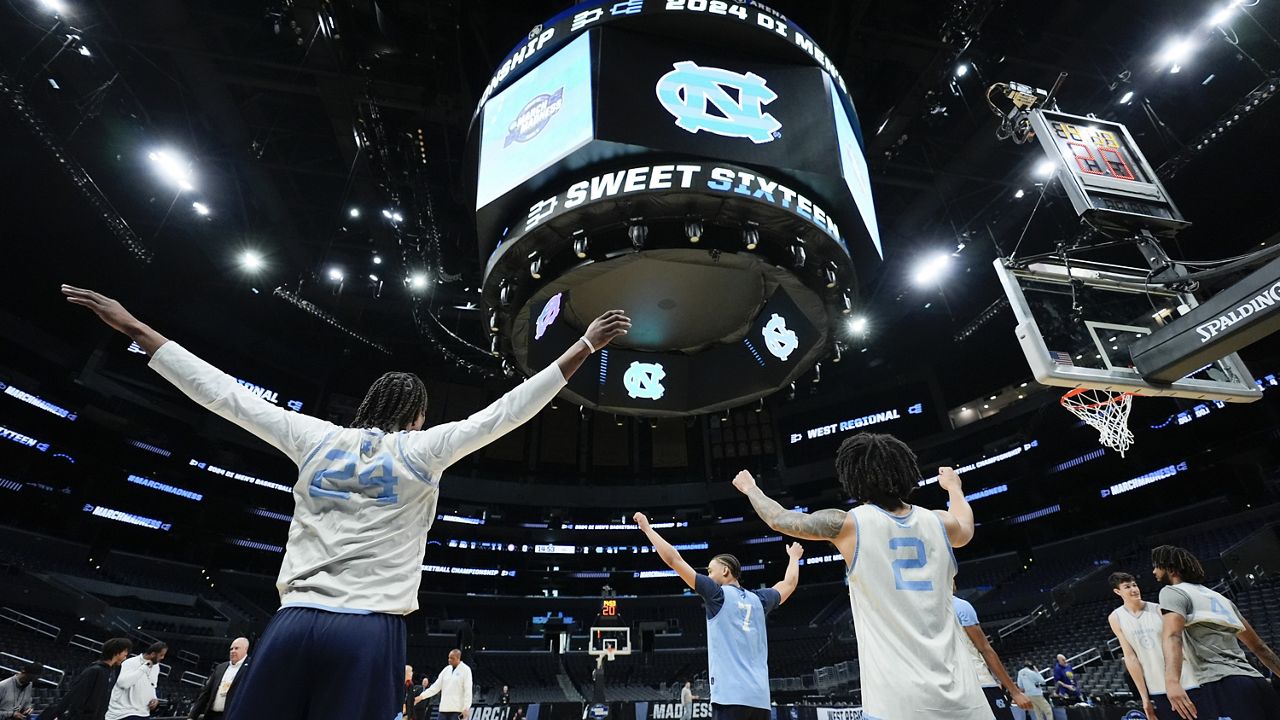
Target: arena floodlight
580 244
830 272
750 237
173 167
418 281
200 208
1044 169
335 274
377 259
55 6
858 325
354 212
931 269
493 321
1175 52
251 261
962 69
1126 98
535 266
638 233
846 304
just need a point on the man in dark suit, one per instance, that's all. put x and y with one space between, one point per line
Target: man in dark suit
215 696
89 694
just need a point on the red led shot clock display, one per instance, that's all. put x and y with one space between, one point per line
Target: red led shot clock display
609 608
1096 151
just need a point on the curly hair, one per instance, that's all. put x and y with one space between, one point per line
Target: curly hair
1178 560
877 468
393 402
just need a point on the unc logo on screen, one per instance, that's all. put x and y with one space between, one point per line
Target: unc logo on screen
644 380
549 313
1134 715
534 116
779 340
690 91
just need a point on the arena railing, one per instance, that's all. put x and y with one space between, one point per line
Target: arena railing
34 624
14 664
88 643
1076 661
1023 622
193 678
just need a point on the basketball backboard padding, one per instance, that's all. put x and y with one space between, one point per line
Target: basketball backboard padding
1076 325
1233 318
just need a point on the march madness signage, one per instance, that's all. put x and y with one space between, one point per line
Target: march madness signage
503 712
671 710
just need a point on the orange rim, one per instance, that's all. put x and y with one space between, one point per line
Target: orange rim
1067 398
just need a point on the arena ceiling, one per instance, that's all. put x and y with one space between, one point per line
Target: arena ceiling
294 113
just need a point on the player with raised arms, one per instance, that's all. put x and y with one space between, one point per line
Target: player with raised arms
911 652
363 503
737 645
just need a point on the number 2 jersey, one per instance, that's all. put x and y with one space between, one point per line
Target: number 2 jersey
364 499
911 651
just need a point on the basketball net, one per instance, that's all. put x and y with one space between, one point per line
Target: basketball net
1105 411
610 653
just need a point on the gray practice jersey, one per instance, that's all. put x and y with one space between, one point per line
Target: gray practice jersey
364 498
1212 625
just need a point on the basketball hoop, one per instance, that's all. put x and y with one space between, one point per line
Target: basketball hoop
1105 411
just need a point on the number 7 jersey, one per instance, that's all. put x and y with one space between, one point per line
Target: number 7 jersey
911 653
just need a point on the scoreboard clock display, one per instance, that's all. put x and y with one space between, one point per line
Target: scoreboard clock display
609 609
1105 174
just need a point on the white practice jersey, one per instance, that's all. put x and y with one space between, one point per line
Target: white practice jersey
364 499
1144 634
911 649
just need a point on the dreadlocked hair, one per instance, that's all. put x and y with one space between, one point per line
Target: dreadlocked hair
1180 561
393 402
877 468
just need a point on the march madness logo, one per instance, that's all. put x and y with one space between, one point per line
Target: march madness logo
675 711
690 91
534 116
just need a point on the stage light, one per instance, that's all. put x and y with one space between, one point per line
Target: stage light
830 272
418 281
386 214
1019 194
962 69
1222 16
83 50
55 6
693 230
858 325
373 277
250 261
1125 98
504 293
637 232
797 254
173 168
1044 169
847 304
580 244
839 353
750 238
397 217
335 274
535 266
377 259
493 321
1176 52
354 212
493 345
931 269
200 208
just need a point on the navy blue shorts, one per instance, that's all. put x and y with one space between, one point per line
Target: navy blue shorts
319 665
998 702
1238 697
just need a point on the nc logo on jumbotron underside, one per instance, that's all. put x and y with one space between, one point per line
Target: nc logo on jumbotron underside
719 101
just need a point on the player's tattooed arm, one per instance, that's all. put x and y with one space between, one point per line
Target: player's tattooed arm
821 525
1259 647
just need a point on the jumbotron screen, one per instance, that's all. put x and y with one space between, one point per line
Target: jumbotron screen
540 119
